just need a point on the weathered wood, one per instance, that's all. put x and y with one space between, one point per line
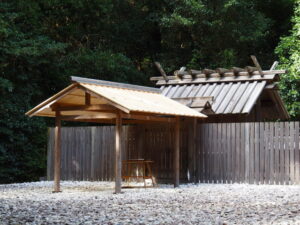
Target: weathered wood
247 151
292 152
118 159
282 156
269 76
161 70
267 153
256 153
297 153
261 153
271 140
243 150
251 69
208 71
287 153
223 152
255 61
57 153
177 153
276 153
237 70
274 65
221 71
251 154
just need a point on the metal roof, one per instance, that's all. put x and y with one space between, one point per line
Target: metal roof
233 91
129 99
238 97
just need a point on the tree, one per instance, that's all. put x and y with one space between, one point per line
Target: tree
288 51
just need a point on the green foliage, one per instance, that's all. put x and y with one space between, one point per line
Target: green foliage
43 43
288 51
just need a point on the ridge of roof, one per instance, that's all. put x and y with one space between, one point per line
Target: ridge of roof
76 79
213 76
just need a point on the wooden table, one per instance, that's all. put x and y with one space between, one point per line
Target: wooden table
138 169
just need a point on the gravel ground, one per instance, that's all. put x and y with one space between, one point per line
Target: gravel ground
95 203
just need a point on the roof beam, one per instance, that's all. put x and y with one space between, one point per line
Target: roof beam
51 100
89 117
199 74
107 100
148 118
102 107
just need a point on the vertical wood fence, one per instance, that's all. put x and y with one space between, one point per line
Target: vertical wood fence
88 152
260 153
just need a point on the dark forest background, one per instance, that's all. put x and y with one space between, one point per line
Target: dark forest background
43 43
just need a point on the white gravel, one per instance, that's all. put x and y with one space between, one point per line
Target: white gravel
95 203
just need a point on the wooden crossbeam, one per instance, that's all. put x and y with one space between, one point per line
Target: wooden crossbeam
221 71
251 69
208 71
148 118
226 74
237 70
100 107
88 117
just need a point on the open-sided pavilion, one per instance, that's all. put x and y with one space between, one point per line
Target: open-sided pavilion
89 100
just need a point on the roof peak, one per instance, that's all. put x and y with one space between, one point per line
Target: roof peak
114 84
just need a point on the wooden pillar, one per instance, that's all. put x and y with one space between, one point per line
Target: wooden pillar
118 162
177 153
57 152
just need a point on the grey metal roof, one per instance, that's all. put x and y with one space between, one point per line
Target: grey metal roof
228 98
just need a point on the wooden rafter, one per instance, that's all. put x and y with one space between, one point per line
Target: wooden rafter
148 118
161 70
255 61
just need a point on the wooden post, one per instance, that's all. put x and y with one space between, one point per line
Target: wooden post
177 153
118 162
57 152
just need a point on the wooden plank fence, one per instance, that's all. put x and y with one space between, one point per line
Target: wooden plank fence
88 152
255 153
